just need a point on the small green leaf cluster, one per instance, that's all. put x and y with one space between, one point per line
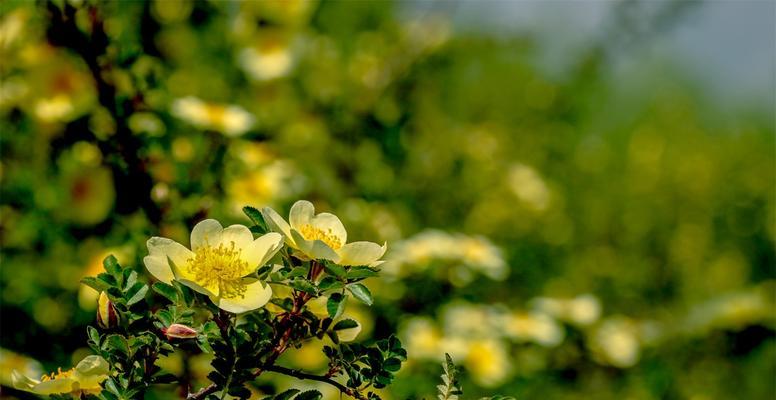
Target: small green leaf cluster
369 364
133 345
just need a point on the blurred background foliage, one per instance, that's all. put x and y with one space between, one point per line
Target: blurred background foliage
582 234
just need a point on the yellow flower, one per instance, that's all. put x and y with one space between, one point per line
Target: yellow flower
321 236
85 378
217 264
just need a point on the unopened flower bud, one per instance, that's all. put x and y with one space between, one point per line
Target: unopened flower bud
179 331
106 312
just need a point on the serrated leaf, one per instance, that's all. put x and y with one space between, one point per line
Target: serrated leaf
297 272
361 272
344 324
95 283
329 282
336 304
166 290
392 364
116 342
334 269
303 285
360 292
137 292
309 395
130 277
256 218
94 334
284 395
111 265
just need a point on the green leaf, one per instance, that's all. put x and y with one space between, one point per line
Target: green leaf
284 395
303 285
336 304
334 269
329 282
309 395
264 272
256 217
361 272
136 293
116 342
112 266
392 364
94 283
297 272
166 290
94 334
344 324
360 292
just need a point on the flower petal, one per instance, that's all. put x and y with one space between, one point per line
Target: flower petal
302 213
55 386
276 223
239 234
206 231
361 253
22 382
91 371
257 295
209 290
315 249
259 251
160 250
332 225
92 365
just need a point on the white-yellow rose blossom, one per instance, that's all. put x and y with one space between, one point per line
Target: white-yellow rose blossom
218 264
321 236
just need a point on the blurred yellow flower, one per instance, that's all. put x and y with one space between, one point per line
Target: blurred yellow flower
230 120
85 378
421 338
488 362
321 236
217 264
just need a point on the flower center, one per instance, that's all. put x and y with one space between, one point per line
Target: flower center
57 375
310 232
219 267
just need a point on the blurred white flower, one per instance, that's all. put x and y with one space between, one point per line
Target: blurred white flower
473 253
533 327
615 342
263 63
581 310
230 120
528 186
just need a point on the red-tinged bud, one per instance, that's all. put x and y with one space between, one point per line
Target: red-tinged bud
178 331
106 312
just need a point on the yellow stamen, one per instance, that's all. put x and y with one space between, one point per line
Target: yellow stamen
56 375
219 267
310 232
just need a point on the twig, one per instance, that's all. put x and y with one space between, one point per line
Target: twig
303 375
